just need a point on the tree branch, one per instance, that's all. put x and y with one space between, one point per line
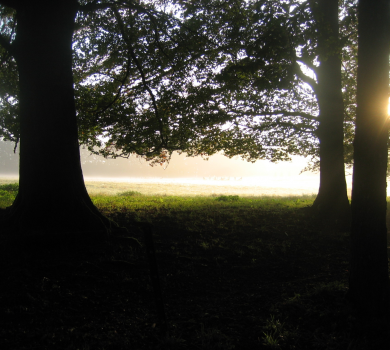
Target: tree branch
141 71
280 112
310 81
310 65
293 114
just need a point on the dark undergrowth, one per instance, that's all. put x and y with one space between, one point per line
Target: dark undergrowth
236 273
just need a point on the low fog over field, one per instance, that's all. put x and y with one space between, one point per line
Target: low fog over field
184 174
181 166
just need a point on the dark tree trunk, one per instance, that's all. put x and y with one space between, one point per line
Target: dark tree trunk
369 277
52 195
332 202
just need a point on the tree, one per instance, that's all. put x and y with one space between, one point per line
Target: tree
152 90
52 195
300 110
332 199
369 286
133 71
154 80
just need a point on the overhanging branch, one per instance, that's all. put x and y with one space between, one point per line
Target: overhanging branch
279 112
310 81
297 129
141 71
310 65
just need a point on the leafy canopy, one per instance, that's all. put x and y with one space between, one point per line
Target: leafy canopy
153 77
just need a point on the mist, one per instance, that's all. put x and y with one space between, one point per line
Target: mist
9 160
183 169
181 166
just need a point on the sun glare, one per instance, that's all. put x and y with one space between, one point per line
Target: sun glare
388 108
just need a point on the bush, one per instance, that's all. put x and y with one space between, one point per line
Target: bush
8 193
227 198
130 194
10 187
5 195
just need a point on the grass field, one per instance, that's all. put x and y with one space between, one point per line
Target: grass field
192 187
236 273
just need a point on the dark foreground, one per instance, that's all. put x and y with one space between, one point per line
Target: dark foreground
277 283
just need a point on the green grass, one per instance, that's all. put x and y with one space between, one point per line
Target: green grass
202 209
205 214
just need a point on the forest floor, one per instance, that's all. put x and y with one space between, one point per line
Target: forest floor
235 273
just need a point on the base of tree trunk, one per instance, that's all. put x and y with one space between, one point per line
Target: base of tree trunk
27 217
331 213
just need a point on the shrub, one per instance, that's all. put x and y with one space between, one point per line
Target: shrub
10 187
8 193
130 194
227 198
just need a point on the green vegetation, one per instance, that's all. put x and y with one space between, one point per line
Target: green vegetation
129 194
228 198
237 273
7 194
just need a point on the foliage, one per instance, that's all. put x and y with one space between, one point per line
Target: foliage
140 78
197 77
272 105
11 188
130 194
9 108
282 114
8 193
348 30
228 198
144 81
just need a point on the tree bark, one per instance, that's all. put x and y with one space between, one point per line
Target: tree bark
52 195
332 202
369 287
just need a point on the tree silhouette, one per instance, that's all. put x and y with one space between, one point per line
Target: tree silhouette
133 70
287 91
52 196
369 277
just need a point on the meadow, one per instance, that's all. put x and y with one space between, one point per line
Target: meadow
251 186
237 272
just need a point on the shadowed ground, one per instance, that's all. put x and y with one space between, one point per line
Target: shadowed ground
236 274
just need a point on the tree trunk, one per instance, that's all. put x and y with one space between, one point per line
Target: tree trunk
332 202
369 277
52 195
